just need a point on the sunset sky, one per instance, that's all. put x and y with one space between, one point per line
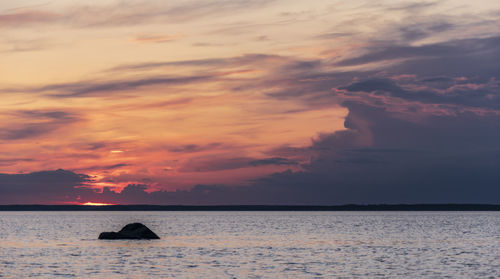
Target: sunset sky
249 102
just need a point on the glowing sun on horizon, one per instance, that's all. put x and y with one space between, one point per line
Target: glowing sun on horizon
97 203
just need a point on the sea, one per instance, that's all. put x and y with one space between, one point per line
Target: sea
222 244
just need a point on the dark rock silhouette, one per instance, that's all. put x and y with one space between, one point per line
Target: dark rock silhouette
130 231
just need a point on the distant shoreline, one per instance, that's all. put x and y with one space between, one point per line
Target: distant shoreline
351 207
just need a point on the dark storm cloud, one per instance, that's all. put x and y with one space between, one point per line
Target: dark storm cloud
380 159
385 158
391 152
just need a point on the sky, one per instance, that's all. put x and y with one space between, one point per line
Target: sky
249 102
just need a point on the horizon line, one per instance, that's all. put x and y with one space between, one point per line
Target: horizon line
243 207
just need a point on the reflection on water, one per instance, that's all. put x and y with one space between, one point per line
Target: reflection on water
253 245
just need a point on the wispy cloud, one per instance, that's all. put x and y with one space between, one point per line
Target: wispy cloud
92 88
218 163
446 50
27 124
156 39
27 17
247 59
126 13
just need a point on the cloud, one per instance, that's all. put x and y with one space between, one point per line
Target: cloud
385 158
43 187
246 59
24 45
370 85
27 124
192 148
421 30
27 17
13 161
93 88
273 161
403 162
103 167
216 69
446 76
414 7
156 39
332 35
461 93
459 50
220 162
126 13
382 157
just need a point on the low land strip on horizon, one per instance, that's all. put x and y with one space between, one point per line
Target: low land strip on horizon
349 207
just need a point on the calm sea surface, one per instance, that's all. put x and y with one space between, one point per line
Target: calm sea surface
253 245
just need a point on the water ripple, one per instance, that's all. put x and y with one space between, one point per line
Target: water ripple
253 245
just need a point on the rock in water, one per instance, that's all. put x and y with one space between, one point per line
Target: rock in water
130 231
